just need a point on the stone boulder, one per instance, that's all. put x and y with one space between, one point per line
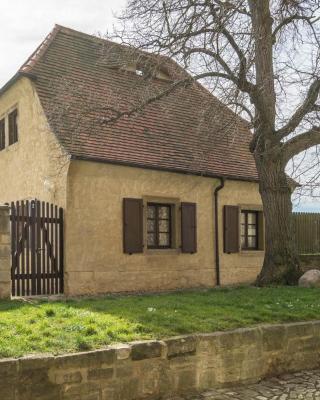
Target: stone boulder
310 279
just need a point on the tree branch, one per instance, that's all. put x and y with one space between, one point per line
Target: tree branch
301 142
288 21
214 55
228 5
307 106
240 81
117 114
243 83
244 108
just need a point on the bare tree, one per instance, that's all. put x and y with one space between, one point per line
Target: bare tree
262 58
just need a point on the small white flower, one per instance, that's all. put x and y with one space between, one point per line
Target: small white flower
151 309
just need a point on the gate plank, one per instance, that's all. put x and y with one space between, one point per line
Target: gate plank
50 247
28 246
22 249
17 257
33 248
43 246
56 251
38 247
47 248
13 249
61 250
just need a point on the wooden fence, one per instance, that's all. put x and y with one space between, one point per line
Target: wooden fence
307 232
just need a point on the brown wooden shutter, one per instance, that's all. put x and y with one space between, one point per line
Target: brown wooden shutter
188 228
132 226
231 229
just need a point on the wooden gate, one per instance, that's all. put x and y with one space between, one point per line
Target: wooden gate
36 248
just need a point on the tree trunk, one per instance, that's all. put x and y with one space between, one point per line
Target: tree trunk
281 263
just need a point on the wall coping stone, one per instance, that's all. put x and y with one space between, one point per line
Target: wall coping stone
144 349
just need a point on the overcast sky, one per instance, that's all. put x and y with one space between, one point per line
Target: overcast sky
25 23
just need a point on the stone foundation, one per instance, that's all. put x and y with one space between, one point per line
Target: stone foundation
153 369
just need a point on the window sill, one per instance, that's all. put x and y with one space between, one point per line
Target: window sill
161 252
251 252
10 148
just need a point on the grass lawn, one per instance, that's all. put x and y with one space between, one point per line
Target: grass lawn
77 325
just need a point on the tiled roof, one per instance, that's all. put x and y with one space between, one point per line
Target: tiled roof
79 78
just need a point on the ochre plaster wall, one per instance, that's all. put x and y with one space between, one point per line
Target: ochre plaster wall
35 166
95 262
242 267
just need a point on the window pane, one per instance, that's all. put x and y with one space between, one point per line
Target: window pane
252 242
243 241
151 241
151 212
252 230
151 225
164 226
164 239
243 218
252 218
164 212
243 229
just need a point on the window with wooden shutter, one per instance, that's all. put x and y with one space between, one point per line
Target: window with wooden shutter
188 228
2 134
13 127
132 226
231 229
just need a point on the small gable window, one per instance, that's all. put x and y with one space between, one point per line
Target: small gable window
13 127
2 134
139 72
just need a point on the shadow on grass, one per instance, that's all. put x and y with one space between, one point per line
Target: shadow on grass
16 304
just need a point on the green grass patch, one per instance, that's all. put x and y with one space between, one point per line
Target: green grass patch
78 325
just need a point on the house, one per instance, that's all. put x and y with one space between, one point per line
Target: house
163 198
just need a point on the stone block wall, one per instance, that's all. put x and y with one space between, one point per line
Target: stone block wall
5 253
152 369
310 261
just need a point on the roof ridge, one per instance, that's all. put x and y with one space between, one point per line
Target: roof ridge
77 33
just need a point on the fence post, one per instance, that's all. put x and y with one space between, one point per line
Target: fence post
5 253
